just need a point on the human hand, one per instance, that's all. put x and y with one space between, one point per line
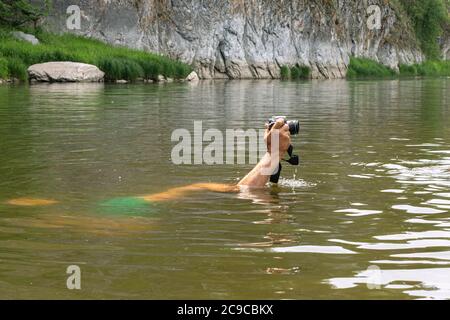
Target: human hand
284 137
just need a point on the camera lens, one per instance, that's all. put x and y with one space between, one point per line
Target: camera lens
294 127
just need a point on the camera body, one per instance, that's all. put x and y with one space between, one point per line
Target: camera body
294 125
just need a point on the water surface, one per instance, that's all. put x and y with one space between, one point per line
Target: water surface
365 216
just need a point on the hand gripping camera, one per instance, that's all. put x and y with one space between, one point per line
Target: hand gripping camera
294 128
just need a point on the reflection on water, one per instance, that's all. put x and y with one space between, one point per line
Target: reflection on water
373 189
422 176
433 283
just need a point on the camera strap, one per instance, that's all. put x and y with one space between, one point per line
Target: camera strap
293 160
276 177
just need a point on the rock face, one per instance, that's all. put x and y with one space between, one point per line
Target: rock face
445 45
65 72
26 37
249 38
446 51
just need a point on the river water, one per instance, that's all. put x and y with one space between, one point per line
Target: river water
365 216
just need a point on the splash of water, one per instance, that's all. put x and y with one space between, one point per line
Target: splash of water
295 183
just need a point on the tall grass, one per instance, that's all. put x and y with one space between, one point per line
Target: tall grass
285 73
17 69
295 72
366 68
427 69
305 72
117 62
4 71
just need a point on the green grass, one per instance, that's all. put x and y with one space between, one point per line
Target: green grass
366 68
285 73
427 69
17 69
295 72
4 71
305 72
429 19
117 62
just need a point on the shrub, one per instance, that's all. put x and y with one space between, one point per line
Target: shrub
362 68
408 70
16 13
305 72
168 69
295 73
285 72
4 74
428 18
182 70
17 69
351 74
434 68
150 68
427 69
120 69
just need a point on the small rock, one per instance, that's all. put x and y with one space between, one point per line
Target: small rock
121 81
65 72
193 76
169 79
26 37
161 78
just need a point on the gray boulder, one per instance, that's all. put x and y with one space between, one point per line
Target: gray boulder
192 77
26 37
65 72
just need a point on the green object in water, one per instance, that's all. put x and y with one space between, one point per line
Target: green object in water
127 206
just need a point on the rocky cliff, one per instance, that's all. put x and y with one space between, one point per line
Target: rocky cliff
445 44
249 38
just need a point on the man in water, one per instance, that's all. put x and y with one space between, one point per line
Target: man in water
256 178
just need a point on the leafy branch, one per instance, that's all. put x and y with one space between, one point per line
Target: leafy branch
16 13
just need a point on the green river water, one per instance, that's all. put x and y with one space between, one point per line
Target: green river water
365 216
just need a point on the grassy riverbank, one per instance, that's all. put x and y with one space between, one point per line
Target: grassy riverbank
117 62
366 68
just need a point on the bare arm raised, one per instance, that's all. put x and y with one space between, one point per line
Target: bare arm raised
279 134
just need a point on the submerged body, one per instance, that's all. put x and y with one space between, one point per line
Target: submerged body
258 177
31 202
